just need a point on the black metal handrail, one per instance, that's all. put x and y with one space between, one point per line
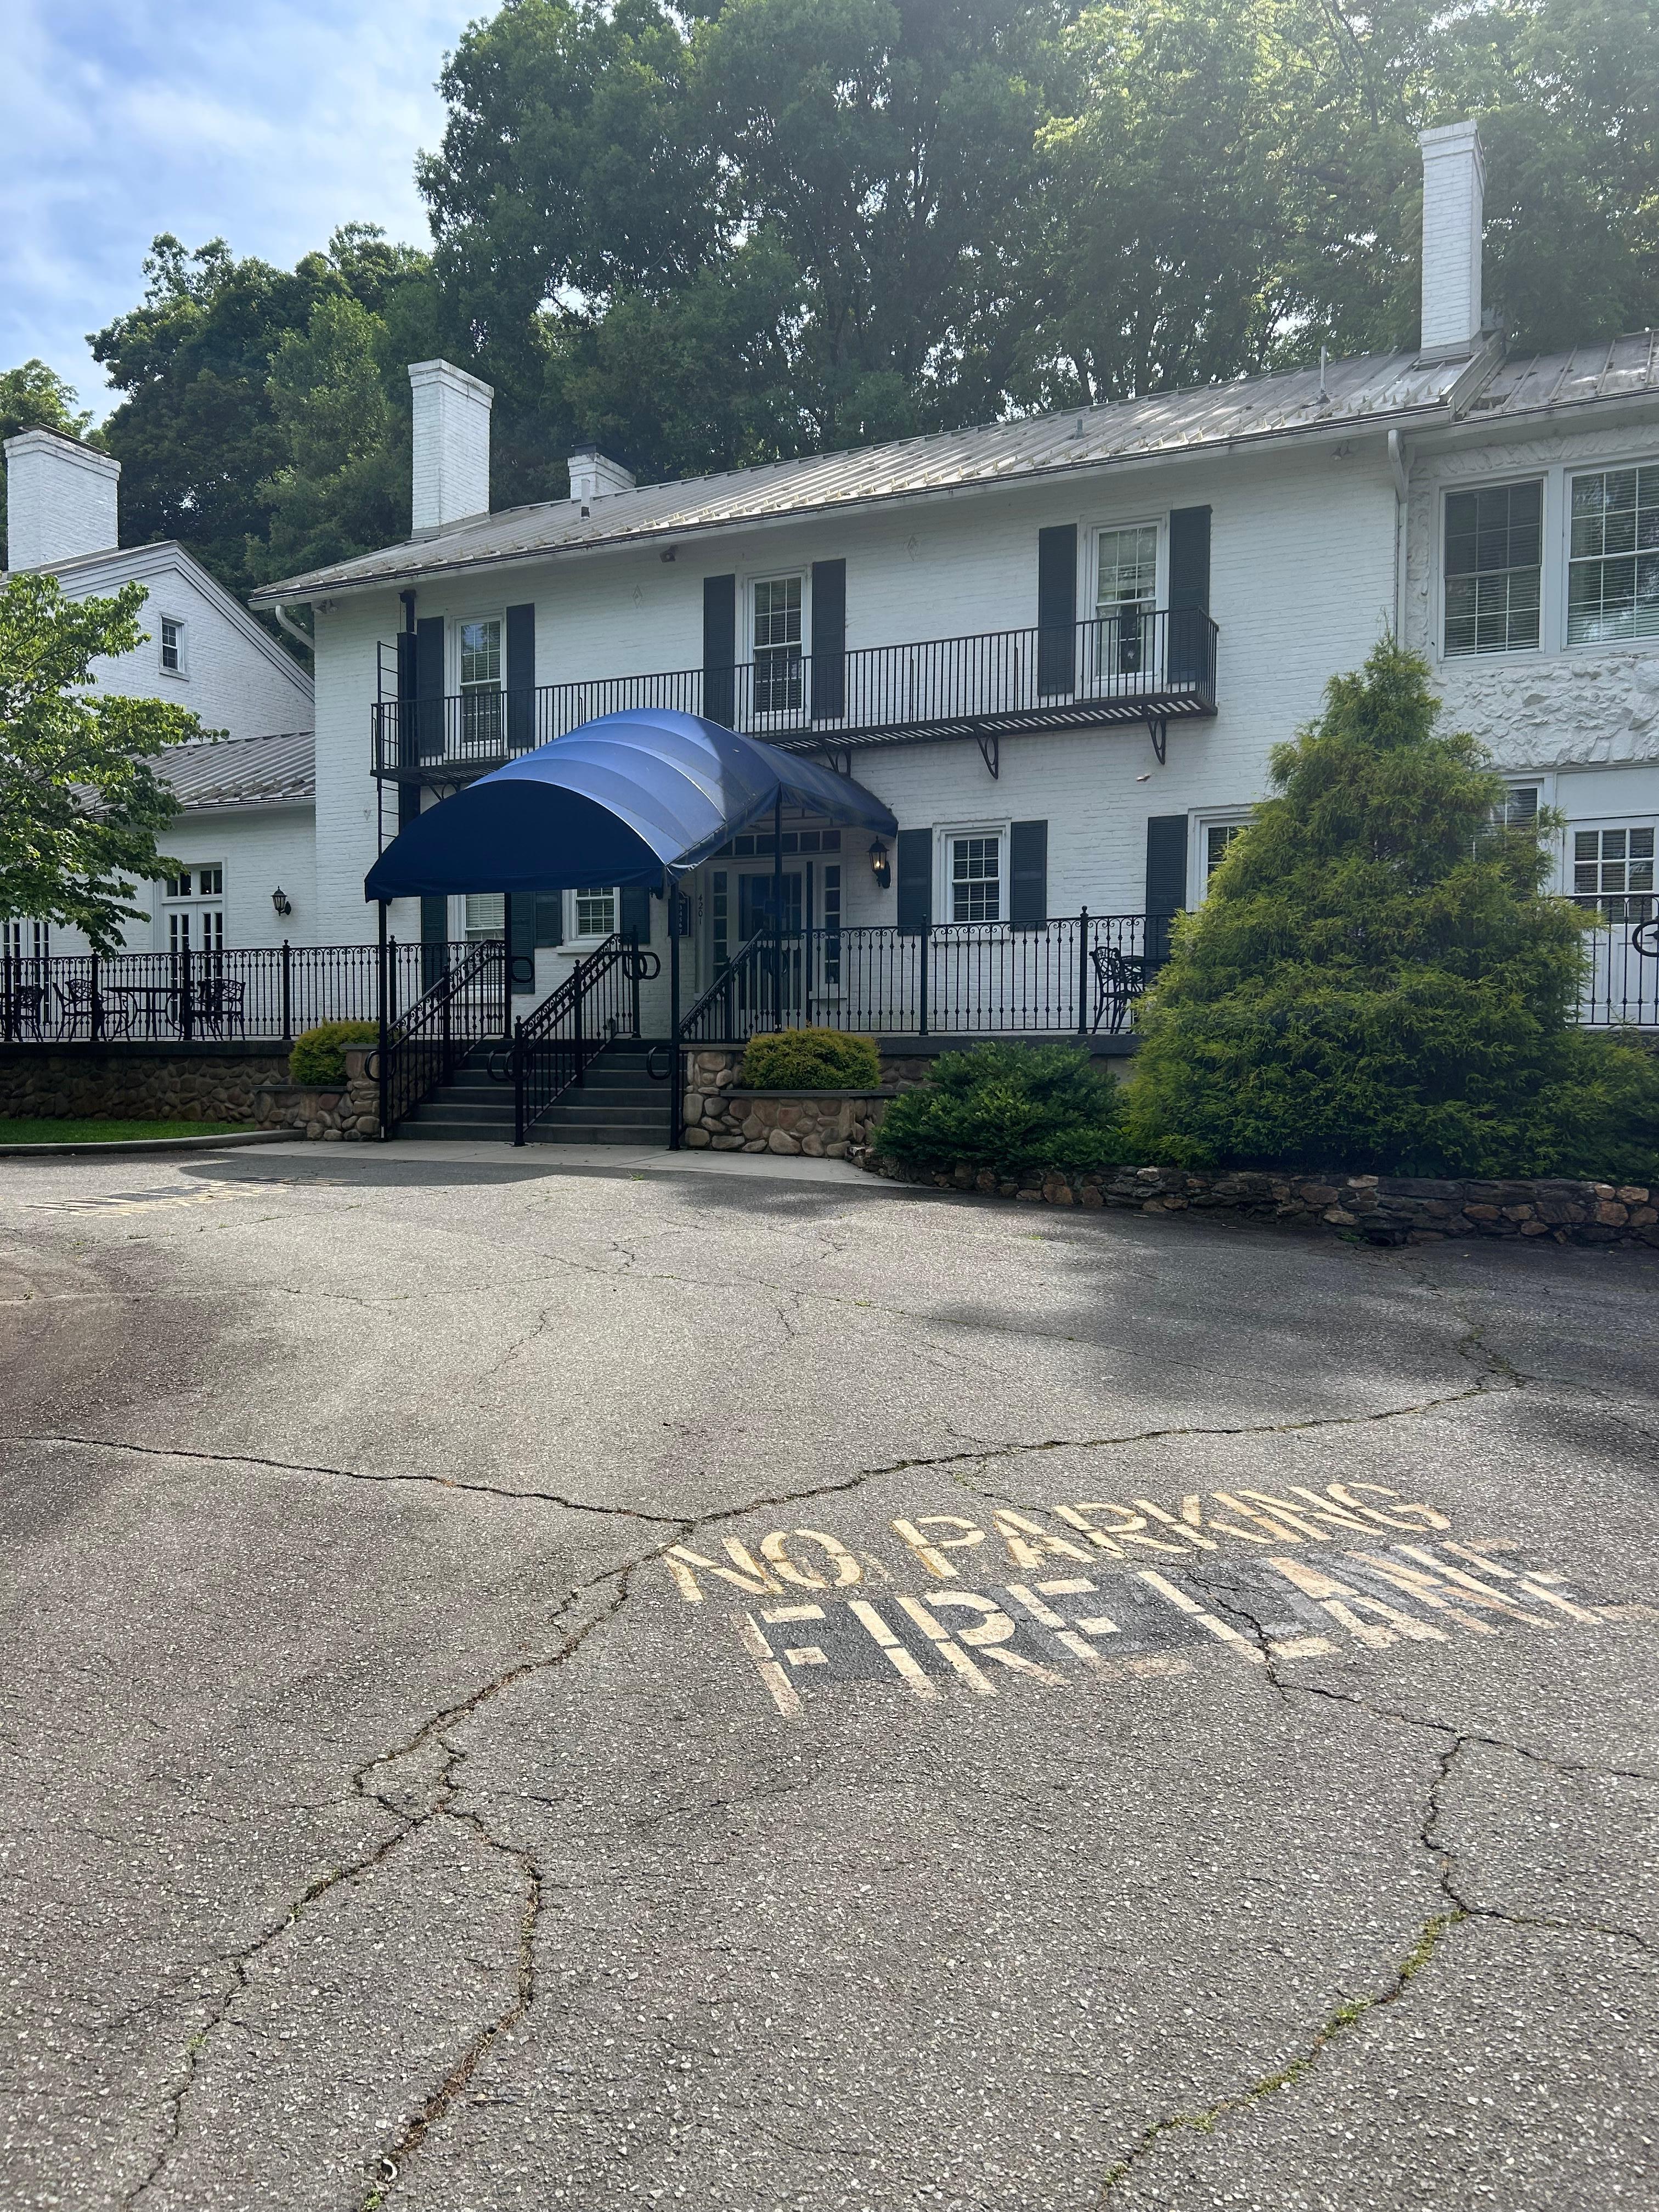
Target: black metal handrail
1116 667
423 1047
598 1000
712 1017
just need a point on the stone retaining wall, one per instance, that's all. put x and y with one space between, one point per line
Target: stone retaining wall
1380 1209
348 1111
824 1125
137 1082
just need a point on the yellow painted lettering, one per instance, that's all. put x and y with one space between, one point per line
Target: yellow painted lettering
1027 1540
847 1570
931 1548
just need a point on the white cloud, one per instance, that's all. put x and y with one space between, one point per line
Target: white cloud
264 122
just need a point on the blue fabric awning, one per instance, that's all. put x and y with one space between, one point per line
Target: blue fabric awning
617 801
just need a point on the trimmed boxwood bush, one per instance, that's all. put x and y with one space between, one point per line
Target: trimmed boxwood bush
318 1055
1010 1108
811 1059
1376 980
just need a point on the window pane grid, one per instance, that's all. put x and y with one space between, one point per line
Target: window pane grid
1613 585
596 913
777 644
1493 555
1127 568
976 879
1612 869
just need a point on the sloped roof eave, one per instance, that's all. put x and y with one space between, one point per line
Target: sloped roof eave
318 583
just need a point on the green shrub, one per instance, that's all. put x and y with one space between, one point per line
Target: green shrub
1010 1108
318 1055
1376 979
811 1059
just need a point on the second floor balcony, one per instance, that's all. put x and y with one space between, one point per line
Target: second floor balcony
1142 665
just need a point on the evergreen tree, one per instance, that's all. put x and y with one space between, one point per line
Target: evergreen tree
1376 980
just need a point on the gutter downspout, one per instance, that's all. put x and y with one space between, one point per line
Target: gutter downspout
292 629
1397 463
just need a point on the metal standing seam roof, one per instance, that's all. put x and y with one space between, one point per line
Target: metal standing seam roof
242 771
1367 385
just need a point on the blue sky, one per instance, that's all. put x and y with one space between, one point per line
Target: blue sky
264 122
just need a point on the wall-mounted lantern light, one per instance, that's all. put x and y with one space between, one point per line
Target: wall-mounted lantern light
880 865
281 900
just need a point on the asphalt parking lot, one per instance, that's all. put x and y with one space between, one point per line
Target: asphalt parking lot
532 1688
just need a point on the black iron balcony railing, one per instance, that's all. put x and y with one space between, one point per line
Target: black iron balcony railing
1155 666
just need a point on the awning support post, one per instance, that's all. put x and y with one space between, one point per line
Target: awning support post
676 1066
777 911
381 1057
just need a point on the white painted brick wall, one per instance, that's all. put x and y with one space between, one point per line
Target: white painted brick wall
60 499
259 848
452 444
1454 187
1301 585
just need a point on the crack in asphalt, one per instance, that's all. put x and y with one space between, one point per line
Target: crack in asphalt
1458 1906
1347 2015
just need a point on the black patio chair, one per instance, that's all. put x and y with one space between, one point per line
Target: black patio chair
1120 979
19 1011
219 1008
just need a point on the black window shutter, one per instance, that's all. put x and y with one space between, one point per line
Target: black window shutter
522 944
1056 609
1190 593
1166 880
435 929
720 646
429 686
636 912
521 678
916 880
550 917
829 641
1027 874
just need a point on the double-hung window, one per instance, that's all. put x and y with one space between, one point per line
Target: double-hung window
173 646
593 912
1613 869
1125 593
1494 551
973 876
478 654
1217 836
1613 563
777 644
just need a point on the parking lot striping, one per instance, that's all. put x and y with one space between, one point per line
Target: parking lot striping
1049 1630
141 1202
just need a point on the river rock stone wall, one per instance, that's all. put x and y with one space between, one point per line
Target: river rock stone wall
348 1112
1380 1209
137 1082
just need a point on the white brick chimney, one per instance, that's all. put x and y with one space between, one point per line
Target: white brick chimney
1454 185
60 499
451 444
594 475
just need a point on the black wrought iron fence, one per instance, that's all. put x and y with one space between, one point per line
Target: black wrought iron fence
1079 973
422 1047
599 999
265 993
1622 981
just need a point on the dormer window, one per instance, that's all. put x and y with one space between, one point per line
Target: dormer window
173 646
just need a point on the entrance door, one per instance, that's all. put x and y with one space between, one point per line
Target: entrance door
755 913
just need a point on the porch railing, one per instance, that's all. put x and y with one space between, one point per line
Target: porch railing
424 1046
1121 667
1077 974
598 1000
259 994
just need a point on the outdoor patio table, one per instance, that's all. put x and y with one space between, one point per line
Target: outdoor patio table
142 1009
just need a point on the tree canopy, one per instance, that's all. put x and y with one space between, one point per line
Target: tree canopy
738 230
81 807
1375 978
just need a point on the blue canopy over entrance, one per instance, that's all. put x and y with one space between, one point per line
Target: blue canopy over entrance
617 801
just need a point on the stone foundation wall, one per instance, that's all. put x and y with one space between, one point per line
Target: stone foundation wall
824 1125
346 1112
1380 1209
137 1082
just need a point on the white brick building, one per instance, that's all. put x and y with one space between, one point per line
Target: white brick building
248 826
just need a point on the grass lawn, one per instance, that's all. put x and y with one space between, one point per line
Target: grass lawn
40 1130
